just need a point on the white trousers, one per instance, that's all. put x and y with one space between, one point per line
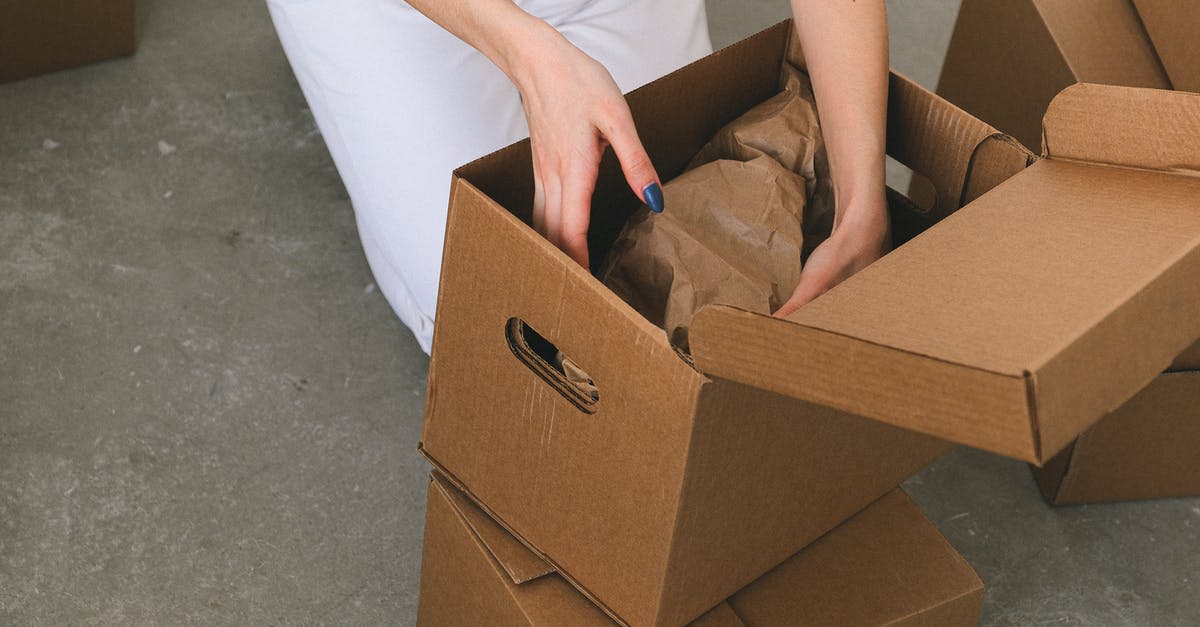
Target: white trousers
400 103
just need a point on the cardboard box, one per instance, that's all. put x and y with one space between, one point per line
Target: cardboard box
1007 60
1146 449
888 565
39 36
674 489
1019 321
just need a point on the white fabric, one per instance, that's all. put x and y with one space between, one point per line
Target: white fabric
401 103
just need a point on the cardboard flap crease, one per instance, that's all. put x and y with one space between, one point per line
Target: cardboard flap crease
1135 128
518 562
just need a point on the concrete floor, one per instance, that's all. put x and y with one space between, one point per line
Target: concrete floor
208 414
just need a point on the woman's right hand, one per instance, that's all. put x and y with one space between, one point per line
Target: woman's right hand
573 106
575 110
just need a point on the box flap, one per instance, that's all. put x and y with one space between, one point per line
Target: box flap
1012 325
886 565
933 138
518 562
1103 41
462 583
1139 128
996 159
1172 25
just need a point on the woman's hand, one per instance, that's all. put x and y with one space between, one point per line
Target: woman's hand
857 240
575 110
845 46
573 106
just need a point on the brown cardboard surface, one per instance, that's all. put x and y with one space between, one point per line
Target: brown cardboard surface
1189 360
626 496
1102 41
1149 129
1034 331
46 35
462 583
889 559
1145 449
1007 60
886 565
1172 26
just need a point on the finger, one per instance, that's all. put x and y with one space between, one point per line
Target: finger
552 217
577 191
539 201
811 286
635 163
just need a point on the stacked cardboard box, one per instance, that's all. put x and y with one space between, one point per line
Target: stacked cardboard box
1054 295
1006 61
887 565
672 489
38 36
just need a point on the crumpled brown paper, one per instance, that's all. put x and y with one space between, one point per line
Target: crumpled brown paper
755 200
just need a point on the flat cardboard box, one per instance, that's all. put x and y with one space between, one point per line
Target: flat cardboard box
1007 60
1146 449
888 565
39 36
1026 316
673 489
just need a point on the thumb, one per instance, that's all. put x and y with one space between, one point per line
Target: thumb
635 163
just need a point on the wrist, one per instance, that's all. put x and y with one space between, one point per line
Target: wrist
524 46
864 220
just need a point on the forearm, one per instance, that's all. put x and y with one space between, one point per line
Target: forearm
845 45
502 31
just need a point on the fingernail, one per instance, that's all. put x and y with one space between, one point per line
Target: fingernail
652 194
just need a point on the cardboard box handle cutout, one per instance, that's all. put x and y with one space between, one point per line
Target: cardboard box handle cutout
560 372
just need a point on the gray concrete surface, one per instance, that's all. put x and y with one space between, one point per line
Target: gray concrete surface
208 414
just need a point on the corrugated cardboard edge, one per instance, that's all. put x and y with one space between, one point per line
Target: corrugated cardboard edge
998 157
730 343
1141 128
519 563
449 477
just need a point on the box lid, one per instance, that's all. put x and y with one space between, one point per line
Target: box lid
1020 320
1172 26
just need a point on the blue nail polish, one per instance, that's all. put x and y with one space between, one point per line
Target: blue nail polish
653 196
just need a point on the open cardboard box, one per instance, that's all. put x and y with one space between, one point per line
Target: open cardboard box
39 36
888 565
1006 61
674 489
